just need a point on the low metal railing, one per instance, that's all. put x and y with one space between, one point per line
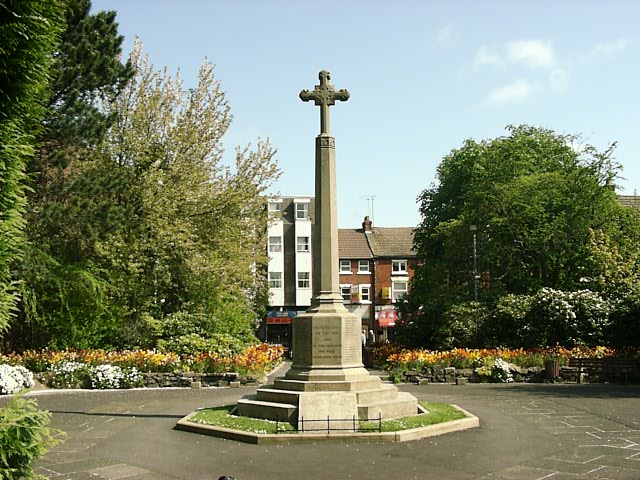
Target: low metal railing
354 424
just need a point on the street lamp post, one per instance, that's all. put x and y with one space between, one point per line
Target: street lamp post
474 229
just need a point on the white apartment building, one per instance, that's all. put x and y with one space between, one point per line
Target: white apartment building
289 246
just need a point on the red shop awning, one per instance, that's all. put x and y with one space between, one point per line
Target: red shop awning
275 317
387 318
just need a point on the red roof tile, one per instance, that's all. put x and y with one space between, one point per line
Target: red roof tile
352 244
629 200
392 242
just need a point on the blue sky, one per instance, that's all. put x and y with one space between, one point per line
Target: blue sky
423 77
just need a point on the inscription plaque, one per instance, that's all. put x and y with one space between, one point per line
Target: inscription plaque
302 340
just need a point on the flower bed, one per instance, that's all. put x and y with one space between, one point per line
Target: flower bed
494 365
256 359
101 369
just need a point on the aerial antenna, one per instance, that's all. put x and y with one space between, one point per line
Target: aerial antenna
370 200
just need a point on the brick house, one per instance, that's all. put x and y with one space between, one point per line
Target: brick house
380 273
356 274
376 265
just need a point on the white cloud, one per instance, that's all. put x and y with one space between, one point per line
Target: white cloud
486 56
518 90
559 80
532 53
610 48
533 63
446 35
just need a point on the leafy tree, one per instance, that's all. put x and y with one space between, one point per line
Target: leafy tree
133 215
536 198
64 291
192 229
29 30
88 76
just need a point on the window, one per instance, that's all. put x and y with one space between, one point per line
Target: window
345 291
363 266
275 206
398 266
365 293
398 289
275 244
275 279
302 211
303 244
304 280
345 266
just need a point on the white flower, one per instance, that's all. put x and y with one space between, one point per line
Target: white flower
111 376
13 379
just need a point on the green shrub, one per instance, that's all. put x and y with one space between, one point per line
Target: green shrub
24 437
187 333
566 318
465 325
624 329
193 343
189 344
509 326
224 344
182 323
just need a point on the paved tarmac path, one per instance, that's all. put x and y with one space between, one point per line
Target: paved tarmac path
527 432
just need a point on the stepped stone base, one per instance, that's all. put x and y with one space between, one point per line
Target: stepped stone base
249 406
327 379
308 403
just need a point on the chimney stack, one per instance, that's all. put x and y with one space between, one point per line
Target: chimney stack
367 225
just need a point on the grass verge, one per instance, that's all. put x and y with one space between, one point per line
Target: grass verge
438 413
222 417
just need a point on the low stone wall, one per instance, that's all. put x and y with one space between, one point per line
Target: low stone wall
438 374
189 379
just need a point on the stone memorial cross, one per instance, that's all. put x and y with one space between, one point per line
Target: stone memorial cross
326 288
324 96
327 379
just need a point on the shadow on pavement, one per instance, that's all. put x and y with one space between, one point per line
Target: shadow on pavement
106 414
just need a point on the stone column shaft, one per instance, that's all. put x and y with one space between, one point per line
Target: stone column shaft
326 287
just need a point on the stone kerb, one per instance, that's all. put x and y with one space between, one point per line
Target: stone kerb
469 421
451 375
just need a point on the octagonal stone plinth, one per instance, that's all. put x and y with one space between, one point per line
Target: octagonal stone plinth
326 347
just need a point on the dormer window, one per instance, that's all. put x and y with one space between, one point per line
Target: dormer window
302 211
275 207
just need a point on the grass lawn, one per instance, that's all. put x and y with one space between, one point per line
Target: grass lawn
438 413
220 417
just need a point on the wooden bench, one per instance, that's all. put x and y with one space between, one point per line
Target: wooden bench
605 365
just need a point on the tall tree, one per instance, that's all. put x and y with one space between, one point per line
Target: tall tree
193 229
536 198
29 30
87 77
60 281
